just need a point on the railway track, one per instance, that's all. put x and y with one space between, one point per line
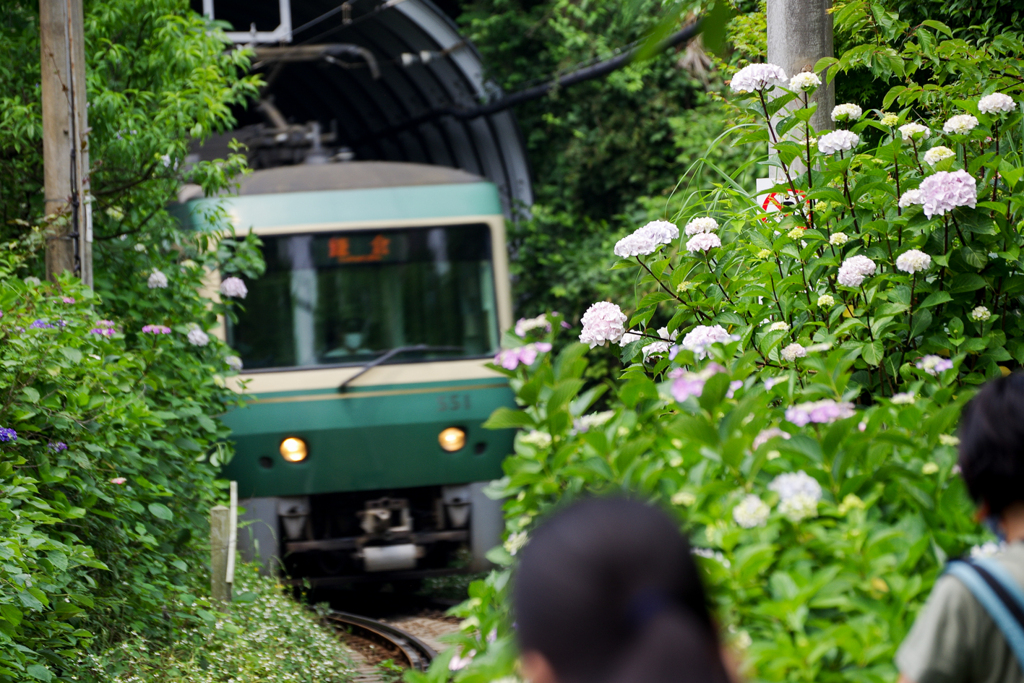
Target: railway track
376 641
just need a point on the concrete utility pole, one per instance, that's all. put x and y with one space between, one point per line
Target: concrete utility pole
799 34
65 129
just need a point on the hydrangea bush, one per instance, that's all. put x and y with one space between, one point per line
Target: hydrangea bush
793 376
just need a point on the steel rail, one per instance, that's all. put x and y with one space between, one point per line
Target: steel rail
417 653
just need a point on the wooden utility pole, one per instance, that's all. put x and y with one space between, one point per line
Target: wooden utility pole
799 34
65 131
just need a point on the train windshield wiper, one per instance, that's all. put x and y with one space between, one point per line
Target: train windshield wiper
391 354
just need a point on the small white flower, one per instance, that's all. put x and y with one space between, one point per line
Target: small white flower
961 124
838 141
996 103
140 247
196 337
703 242
792 352
948 440
843 113
515 542
805 81
709 554
757 77
937 154
980 314
699 225
525 325
751 512
914 131
903 398
234 362
838 239
826 300
799 507
913 261
780 326
911 198
585 423
157 280
233 287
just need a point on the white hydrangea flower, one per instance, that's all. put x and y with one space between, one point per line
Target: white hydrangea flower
701 337
792 352
914 131
140 247
234 362
603 322
843 113
854 270
911 198
684 498
794 484
751 512
709 554
805 81
838 239
524 325
516 541
961 124
32 280
766 435
913 261
646 240
757 77
536 438
585 423
980 314
826 300
780 326
234 287
934 365
903 398
949 440
196 337
660 348
764 253
699 225
838 141
937 154
890 119
188 264
986 550
996 103
798 508
703 242
157 280
929 468
795 233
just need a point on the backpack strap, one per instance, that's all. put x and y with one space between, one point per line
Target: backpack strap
999 594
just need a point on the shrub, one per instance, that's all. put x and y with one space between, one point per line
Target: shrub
794 376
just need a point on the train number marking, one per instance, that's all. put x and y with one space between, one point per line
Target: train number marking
452 402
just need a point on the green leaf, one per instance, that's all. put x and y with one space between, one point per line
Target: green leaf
935 298
40 672
31 395
73 355
872 352
966 282
161 511
507 418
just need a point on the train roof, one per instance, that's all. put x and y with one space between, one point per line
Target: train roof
351 175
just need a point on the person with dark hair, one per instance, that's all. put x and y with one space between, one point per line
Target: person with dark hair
972 626
607 591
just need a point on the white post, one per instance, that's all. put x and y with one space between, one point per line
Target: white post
229 572
799 34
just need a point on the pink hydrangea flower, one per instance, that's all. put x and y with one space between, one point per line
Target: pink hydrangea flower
234 287
510 359
118 480
945 190
156 329
603 322
68 300
820 412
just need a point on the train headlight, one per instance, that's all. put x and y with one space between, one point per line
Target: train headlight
293 449
452 439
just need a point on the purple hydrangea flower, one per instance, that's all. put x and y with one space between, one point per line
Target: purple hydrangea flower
7 434
105 331
156 329
934 365
68 300
511 358
57 446
820 412
41 325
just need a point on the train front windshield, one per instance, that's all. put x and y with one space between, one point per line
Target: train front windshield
339 298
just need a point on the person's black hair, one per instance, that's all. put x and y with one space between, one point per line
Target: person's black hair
992 443
608 591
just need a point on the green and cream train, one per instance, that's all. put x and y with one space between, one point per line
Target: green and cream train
360 451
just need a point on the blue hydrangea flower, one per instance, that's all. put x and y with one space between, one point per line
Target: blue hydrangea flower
8 434
58 446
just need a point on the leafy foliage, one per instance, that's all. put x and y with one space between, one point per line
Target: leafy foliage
807 451
101 536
